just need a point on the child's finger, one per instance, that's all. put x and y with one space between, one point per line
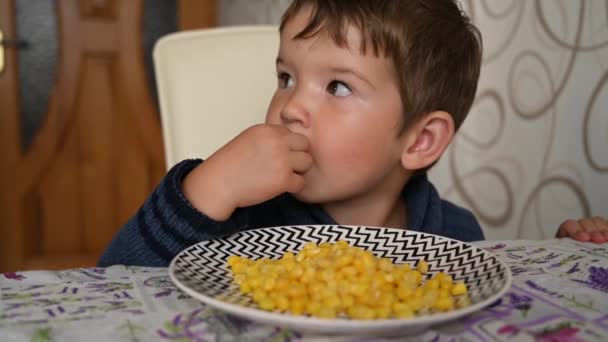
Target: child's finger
602 227
297 142
300 161
562 231
588 225
600 223
582 236
598 237
296 183
573 229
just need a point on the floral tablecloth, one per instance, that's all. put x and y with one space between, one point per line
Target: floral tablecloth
559 293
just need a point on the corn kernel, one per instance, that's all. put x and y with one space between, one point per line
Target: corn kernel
378 279
382 312
405 267
368 259
385 299
296 272
325 245
422 267
440 276
402 310
342 243
348 301
233 259
444 304
361 312
404 292
296 290
389 278
288 264
269 284
312 307
462 301
459 289
245 287
324 264
266 303
259 295
446 286
332 302
358 290
385 265
432 284
282 303
344 260
255 282
349 271
239 278
288 256
326 312
239 268
281 285
296 306
415 303
310 245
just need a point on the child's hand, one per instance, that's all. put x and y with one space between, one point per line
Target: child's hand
262 162
587 229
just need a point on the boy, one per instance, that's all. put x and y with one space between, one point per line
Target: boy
370 93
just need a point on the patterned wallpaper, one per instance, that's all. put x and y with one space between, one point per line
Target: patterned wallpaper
534 150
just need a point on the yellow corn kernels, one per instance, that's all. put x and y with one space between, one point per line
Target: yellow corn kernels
459 289
333 280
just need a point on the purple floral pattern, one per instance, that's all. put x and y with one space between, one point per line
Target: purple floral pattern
573 269
520 302
563 333
496 247
67 302
202 325
598 279
189 327
13 276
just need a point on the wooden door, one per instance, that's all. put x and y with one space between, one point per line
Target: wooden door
98 152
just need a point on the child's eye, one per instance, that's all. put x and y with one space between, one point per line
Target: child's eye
338 88
285 81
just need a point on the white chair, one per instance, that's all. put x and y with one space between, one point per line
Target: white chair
212 84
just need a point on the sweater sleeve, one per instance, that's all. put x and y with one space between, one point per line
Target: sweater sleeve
460 223
165 225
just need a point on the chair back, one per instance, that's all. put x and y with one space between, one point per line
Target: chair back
212 84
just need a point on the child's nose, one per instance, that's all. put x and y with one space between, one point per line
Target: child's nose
294 114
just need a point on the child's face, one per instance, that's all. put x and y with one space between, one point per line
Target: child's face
348 106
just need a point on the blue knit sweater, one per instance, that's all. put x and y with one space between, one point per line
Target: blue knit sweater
167 223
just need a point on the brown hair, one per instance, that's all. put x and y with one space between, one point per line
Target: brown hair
435 49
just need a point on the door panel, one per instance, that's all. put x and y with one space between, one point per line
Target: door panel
12 224
83 93
97 152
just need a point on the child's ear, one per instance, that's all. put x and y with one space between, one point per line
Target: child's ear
426 140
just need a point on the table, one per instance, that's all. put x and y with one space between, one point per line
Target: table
559 293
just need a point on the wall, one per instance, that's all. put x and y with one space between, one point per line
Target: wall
533 151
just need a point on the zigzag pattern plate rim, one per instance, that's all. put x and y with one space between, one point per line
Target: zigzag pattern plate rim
497 272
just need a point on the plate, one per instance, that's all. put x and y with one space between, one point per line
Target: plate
201 271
